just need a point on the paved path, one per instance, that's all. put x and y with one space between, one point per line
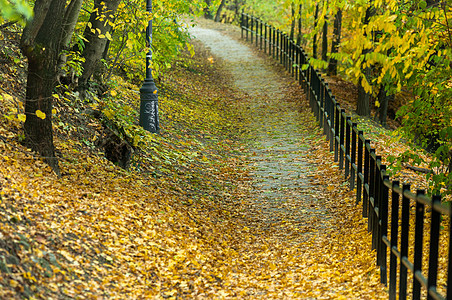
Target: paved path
277 143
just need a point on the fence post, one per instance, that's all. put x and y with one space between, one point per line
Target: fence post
394 240
284 57
242 18
404 242
258 22
251 29
418 240
449 263
261 35
286 45
265 38
353 156
347 146
360 175
434 246
326 112
296 55
321 95
275 42
247 22
383 210
374 195
289 55
342 139
337 120
366 184
292 57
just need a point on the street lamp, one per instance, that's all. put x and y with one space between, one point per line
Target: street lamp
149 114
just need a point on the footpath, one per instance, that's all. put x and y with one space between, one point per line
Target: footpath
300 204
277 139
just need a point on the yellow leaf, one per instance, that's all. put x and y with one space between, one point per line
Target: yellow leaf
108 36
129 44
109 113
377 103
54 111
113 93
21 117
13 283
40 114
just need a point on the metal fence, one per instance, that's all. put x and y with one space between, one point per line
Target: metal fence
389 206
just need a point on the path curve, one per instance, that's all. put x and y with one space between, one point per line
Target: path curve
282 192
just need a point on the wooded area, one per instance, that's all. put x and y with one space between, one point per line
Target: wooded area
83 61
398 55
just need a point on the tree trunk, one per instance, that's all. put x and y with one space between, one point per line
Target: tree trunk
384 99
220 8
325 41
299 27
207 11
292 24
363 105
332 66
31 30
100 20
314 46
237 10
70 20
42 50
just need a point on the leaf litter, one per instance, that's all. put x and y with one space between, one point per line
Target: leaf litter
189 225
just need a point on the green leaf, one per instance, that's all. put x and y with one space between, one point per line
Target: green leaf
422 4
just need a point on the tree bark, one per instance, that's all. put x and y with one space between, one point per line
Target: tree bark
384 99
100 20
314 45
32 28
332 66
207 11
299 27
363 105
41 44
70 20
292 24
220 8
325 41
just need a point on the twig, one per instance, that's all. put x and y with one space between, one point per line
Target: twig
418 169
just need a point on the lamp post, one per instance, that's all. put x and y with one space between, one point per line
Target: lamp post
149 115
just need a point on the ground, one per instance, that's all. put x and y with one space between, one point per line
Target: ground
238 198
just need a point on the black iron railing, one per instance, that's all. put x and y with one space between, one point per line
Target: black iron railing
382 199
